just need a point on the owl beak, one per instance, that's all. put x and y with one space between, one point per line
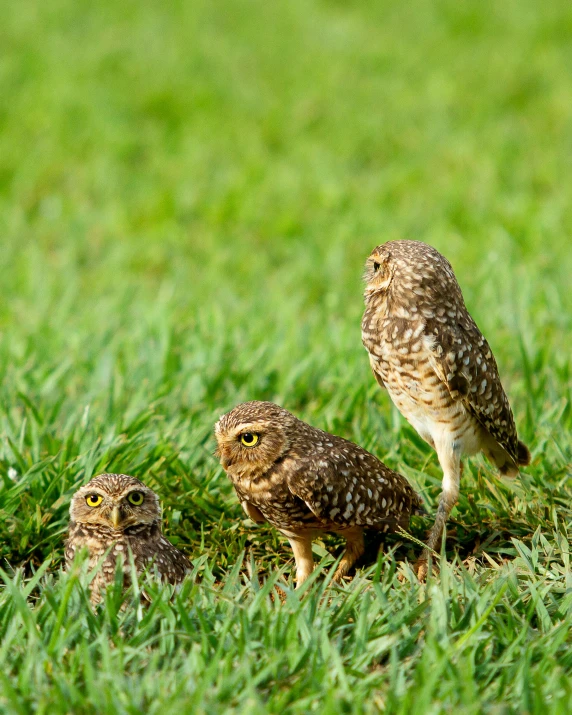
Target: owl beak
115 517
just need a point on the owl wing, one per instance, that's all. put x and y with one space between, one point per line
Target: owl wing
350 487
172 564
69 553
74 543
464 362
157 553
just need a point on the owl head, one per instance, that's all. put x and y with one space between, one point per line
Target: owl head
116 501
410 270
252 437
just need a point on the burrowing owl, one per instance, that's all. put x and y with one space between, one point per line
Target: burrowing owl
115 514
425 348
305 481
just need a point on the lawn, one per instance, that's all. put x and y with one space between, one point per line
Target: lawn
188 193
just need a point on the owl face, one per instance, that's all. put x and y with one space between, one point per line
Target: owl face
115 500
379 270
252 437
411 271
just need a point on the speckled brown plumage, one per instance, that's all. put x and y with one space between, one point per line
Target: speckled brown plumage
439 370
305 481
115 527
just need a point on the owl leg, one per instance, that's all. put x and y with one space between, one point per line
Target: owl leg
302 549
354 549
449 455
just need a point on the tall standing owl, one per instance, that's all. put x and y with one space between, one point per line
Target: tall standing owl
115 514
304 481
429 354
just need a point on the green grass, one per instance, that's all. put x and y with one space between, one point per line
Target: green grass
188 192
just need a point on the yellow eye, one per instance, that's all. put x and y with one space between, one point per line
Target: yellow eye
249 439
135 498
93 499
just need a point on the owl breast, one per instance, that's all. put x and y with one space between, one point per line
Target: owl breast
279 506
273 498
400 358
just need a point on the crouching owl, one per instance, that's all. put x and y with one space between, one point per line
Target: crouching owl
305 481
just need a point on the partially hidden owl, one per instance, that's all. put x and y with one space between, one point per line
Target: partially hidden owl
439 370
112 516
305 481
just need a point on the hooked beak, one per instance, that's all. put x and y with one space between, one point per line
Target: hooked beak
115 517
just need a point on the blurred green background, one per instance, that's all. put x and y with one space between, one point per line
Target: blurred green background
188 192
